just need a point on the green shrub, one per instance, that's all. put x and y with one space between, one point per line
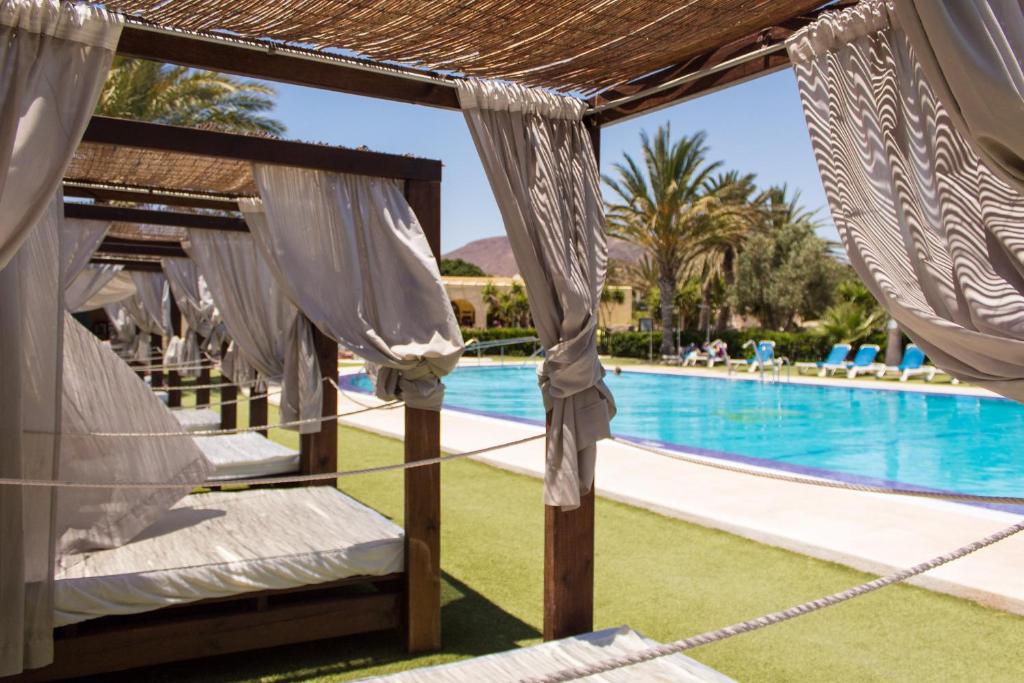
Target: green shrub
493 333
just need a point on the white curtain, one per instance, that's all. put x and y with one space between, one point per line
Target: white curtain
102 394
31 313
272 335
153 297
126 332
540 163
79 240
196 305
54 57
359 237
88 290
931 230
971 55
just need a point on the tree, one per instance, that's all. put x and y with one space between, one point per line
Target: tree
176 95
456 266
855 316
785 270
507 308
661 207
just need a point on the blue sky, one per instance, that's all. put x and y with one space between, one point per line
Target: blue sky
756 127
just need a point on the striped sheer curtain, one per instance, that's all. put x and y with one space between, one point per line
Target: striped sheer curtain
935 235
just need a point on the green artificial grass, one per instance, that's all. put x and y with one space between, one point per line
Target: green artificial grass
666 578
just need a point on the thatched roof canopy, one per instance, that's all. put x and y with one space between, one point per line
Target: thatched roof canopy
115 165
578 46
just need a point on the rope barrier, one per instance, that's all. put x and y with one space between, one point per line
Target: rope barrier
800 610
239 430
188 387
176 367
827 483
265 481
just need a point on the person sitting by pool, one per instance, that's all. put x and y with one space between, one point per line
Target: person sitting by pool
718 352
691 354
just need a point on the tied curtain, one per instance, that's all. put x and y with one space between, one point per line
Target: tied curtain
349 252
197 308
94 287
970 54
932 231
540 162
269 333
78 242
151 305
54 58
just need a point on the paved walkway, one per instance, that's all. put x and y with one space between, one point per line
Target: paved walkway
872 532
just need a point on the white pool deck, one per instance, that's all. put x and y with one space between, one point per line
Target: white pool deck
872 532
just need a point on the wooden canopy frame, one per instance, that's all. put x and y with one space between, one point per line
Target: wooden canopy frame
410 600
569 536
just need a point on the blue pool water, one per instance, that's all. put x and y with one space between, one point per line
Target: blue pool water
945 442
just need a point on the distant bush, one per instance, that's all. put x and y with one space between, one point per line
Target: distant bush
492 333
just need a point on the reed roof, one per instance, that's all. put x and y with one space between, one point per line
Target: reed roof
101 163
582 46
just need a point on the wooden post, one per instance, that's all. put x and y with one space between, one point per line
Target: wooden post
259 412
319 451
203 395
228 392
156 350
569 545
173 377
423 484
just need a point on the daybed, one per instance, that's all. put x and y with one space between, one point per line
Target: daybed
197 419
550 657
246 455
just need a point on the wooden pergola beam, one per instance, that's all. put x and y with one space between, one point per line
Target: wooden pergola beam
127 247
210 143
148 196
285 65
689 72
122 214
128 264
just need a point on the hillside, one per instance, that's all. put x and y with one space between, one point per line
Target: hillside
494 254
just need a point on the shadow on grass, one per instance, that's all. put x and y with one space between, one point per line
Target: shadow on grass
471 626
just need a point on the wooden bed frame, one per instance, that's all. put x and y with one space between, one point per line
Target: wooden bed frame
409 601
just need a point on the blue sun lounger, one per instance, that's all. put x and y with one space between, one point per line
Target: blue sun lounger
864 361
835 358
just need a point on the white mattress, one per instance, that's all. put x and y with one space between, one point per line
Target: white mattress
249 454
216 545
547 658
197 419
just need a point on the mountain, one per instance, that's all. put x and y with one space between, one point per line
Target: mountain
494 254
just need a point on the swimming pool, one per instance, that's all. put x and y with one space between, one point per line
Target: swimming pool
936 441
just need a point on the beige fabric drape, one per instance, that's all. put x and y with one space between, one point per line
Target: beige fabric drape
934 234
272 335
540 163
153 297
85 292
78 242
972 55
358 236
196 305
31 315
54 57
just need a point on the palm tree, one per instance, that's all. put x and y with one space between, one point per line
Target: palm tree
726 229
176 95
662 207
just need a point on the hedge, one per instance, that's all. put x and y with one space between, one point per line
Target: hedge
797 346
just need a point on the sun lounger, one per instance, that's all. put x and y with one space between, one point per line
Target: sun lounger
764 356
548 658
246 455
197 419
863 361
911 364
835 358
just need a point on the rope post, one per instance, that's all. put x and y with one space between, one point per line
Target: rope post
228 396
423 484
259 410
156 349
569 543
318 452
173 378
203 395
